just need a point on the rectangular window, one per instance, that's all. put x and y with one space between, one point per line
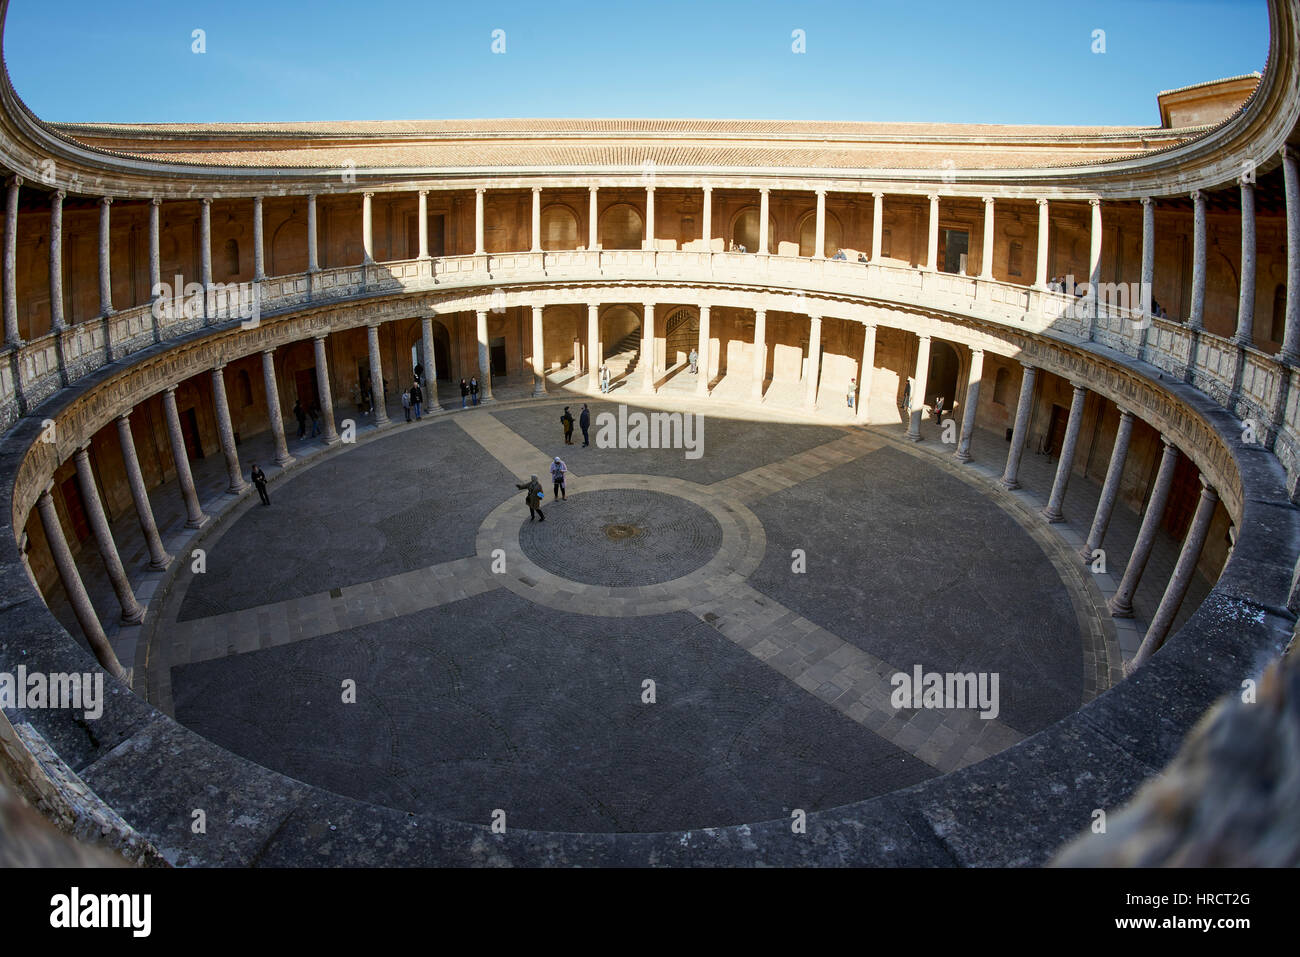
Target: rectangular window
1015 255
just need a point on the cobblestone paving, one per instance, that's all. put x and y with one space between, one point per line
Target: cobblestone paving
622 537
493 702
384 507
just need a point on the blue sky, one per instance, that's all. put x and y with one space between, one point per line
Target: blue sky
995 61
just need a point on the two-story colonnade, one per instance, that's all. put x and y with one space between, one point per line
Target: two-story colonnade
171 292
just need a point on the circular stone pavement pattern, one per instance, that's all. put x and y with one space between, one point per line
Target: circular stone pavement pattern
622 538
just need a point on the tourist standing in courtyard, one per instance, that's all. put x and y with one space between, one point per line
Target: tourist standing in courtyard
604 378
584 423
533 497
566 421
417 400
853 388
301 416
473 390
406 404
695 361
464 393
558 471
259 479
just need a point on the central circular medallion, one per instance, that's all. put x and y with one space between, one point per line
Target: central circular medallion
622 537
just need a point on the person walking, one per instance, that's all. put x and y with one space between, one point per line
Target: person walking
532 497
604 378
417 400
584 423
301 416
566 420
695 361
558 471
314 412
406 404
259 479
853 387
464 393
473 390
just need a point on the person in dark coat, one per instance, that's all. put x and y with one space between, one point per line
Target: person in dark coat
314 412
584 423
417 399
566 420
259 479
532 497
464 393
301 416
473 390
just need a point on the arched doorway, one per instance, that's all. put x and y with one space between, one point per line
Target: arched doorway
559 228
744 230
941 380
620 329
441 351
289 248
808 235
682 334
621 227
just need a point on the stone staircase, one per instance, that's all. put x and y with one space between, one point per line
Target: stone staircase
622 357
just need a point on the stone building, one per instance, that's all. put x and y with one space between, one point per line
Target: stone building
1123 299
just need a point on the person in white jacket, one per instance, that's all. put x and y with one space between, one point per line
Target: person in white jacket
558 471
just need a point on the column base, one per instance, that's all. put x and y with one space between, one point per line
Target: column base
961 456
134 617
1120 610
1053 516
1085 553
197 522
162 564
284 461
382 422
237 489
1010 485
330 439
913 436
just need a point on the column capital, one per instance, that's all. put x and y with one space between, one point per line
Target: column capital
155 201
170 390
872 325
821 191
1246 182
83 452
106 201
922 338
1288 153
974 352
536 190
1094 203
206 201
1147 201
988 200
538 308
1123 412
59 194
649 306
1028 367
649 189
218 367
932 197
368 193
1207 490
877 196
269 352
1169 443
592 189
705 307
1041 201
14 181
321 338
125 417
423 192
760 312
764 190
1078 387
1197 196
480 190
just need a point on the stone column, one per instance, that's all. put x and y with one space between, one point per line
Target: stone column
539 353
706 219
1148 253
323 391
377 399
593 219
877 224
313 251
919 382
986 254
760 352
205 251
1011 474
1121 604
867 373
702 383
259 244
649 241
158 557
1246 301
429 385
484 359
1065 463
105 262
1176 590
814 361
480 248
537 219
12 338
422 227
367 229
1196 319
226 431
1040 274
184 478
1094 257
282 456
932 238
972 402
132 610
1109 488
155 256
57 322
76 590
648 348
594 358
819 252
1291 337
763 214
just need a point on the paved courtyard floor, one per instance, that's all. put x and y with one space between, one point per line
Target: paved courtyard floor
687 641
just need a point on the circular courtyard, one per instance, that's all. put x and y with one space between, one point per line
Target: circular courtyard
685 642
